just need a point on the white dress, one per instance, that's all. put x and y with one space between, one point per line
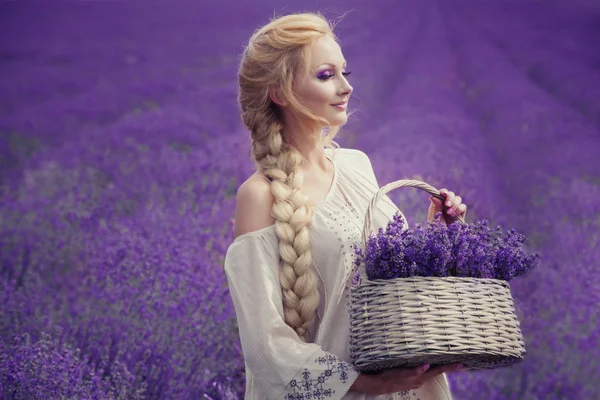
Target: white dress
278 365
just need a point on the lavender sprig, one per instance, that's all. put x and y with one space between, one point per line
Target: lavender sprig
434 249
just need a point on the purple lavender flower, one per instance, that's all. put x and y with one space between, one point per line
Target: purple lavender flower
434 249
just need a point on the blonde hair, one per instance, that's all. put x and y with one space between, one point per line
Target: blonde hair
274 55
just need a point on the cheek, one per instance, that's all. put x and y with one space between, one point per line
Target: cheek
318 95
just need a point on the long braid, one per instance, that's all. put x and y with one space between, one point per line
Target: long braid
280 164
273 58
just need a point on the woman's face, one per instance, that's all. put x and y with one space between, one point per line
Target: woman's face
325 83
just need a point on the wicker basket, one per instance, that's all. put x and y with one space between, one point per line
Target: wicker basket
406 322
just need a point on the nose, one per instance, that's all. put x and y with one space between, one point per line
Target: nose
347 89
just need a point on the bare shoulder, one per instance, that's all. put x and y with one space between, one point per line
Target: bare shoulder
253 205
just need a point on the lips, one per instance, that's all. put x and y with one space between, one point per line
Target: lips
340 106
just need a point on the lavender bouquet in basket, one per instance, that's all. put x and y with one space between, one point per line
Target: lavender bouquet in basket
437 250
435 294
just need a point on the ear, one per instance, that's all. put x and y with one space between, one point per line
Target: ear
274 95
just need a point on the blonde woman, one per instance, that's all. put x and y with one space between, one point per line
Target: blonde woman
296 221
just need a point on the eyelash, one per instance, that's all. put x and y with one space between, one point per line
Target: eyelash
326 77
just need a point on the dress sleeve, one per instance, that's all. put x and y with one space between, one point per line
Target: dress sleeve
366 168
283 366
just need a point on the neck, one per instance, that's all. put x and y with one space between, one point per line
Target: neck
308 143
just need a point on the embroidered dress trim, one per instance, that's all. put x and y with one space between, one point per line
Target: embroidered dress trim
330 373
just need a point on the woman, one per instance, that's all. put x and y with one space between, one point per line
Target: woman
297 219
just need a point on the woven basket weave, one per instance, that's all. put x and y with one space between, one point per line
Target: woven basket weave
406 322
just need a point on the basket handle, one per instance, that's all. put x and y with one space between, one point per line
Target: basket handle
388 188
382 192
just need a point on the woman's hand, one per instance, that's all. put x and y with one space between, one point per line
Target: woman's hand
398 379
451 208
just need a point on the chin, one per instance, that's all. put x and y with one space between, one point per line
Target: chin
340 121
336 119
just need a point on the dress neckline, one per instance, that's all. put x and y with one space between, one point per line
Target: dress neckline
333 182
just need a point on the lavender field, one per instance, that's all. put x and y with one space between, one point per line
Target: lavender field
121 149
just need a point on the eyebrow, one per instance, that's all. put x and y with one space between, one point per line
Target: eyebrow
333 65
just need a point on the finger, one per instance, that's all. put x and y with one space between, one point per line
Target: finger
439 370
444 193
457 201
435 200
413 372
405 373
449 199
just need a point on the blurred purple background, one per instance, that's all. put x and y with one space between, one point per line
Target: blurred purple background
121 149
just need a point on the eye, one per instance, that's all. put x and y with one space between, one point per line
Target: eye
328 76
